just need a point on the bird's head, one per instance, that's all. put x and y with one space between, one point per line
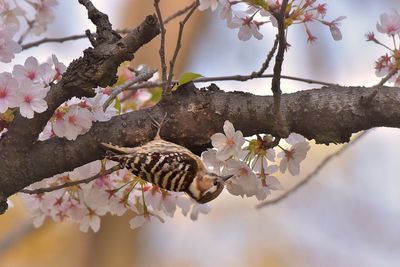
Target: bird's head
206 186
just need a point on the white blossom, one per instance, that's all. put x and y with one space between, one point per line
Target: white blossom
228 144
292 157
205 4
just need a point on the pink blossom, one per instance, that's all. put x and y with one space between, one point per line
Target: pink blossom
142 216
204 4
8 90
244 182
199 208
9 14
96 106
383 66
390 23
31 70
59 66
215 165
226 11
92 219
333 27
321 9
8 47
227 145
74 122
247 26
30 98
291 158
44 14
267 182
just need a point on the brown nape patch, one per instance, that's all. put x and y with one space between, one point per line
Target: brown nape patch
203 184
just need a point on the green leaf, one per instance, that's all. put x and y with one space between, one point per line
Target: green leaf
117 105
186 78
156 94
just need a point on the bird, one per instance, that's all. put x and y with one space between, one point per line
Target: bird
170 166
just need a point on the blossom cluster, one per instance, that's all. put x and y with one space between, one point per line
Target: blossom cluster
388 65
28 84
255 14
11 15
254 164
115 194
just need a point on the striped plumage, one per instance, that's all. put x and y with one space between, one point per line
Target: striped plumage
171 167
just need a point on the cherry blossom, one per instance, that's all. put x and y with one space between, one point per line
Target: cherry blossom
210 159
9 14
267 182
333 27
59 67
389 23
205 4
226 11
8 89
248 27
92 219
244 182
31 70
96 106
199 208
227 145
44 14
74 122
8 47
292 157
142 216
30 98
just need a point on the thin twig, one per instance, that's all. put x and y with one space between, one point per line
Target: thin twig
62 39
72 183
267 60
180 12
276 85
141 85
117 90
162 44
387 77
313 173
82 36
179 44
241 78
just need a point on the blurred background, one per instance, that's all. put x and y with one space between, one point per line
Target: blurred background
345 216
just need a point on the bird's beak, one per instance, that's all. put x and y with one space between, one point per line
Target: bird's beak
225 178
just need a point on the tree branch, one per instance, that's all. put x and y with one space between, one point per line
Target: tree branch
97 67
328 115
71 183
179 44
162 45
276 81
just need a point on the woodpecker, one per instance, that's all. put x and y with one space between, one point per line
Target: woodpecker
171 167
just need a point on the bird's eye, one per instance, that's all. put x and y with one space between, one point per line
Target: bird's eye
215 182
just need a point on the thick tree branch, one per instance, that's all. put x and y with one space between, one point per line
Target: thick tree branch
328 115
97 67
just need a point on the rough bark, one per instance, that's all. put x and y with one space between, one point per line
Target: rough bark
97 67
327 115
